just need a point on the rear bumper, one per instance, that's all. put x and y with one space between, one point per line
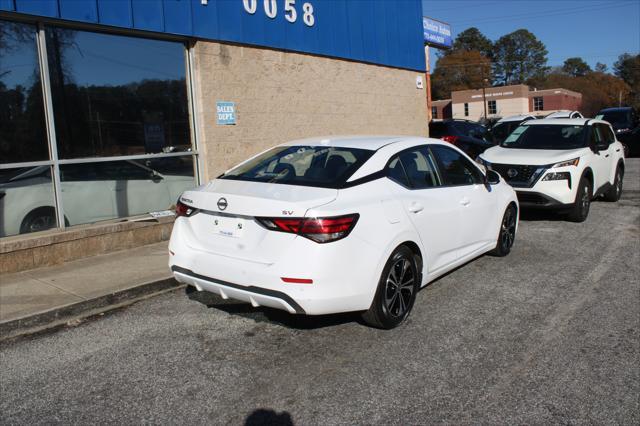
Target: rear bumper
257 296
344 274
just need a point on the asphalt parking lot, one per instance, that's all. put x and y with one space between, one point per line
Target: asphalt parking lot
550 334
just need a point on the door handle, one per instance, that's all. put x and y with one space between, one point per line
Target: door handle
416 207
465 201
606 156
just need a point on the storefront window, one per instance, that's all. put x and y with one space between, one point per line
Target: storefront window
111 96
26 200
116 95
97 191
23 135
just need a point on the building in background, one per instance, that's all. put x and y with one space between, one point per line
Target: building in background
441 110
504 101
109 109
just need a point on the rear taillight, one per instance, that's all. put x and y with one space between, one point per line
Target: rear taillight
184 210
450 139
318 229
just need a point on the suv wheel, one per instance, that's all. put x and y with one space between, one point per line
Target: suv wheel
580 209
614 193
396 291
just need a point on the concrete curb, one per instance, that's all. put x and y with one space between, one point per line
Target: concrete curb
62 315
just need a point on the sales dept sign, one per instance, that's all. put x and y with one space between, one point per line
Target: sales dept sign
226 112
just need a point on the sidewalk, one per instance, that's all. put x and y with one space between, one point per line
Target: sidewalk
47 297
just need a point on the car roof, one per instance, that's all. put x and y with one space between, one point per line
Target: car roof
373 142
564 121
561 113
615 109
516 118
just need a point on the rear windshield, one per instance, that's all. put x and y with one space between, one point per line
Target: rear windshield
326 167
547 136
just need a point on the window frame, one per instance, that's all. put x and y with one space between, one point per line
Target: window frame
492 104
54 161
538 103
438 172
480 174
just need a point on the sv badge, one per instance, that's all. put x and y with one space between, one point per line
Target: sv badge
287 212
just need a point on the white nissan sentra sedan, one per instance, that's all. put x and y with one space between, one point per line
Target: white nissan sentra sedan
320 226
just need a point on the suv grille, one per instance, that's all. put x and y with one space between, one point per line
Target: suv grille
531 198
520 175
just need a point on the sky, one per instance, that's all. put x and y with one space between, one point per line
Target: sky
595 30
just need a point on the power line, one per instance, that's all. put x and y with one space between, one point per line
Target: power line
475 4
543 14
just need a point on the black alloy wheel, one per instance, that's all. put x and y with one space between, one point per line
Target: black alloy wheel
507 233
399 288
580 209
396 291
615 192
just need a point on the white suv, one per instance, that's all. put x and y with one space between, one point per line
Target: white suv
560 164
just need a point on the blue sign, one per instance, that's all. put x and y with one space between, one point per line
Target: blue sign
385 32
436 33
226 112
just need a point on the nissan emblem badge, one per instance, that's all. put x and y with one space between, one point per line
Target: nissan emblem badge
511 173
222 204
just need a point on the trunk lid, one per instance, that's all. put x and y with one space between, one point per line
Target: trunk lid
226 222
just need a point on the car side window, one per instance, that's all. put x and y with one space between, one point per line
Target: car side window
395 172
420 168
595 137
455 169
606 134
414 168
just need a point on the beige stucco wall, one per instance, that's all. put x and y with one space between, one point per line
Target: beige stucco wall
283 96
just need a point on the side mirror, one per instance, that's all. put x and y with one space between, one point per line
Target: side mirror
602 146
493 177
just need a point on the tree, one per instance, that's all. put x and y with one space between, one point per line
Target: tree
518 57
576 67
473 39
460 70
627 67
600 67
599 90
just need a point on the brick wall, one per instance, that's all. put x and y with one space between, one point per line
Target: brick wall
283 96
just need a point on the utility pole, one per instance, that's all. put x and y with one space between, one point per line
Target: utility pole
484 95
428 84
484 98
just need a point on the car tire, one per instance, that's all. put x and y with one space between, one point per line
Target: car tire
396 292
613 194
507 232
581 205
40 219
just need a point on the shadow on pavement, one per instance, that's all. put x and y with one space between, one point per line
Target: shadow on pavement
264 416
265 314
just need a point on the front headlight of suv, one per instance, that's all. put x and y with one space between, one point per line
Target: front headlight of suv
567 163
